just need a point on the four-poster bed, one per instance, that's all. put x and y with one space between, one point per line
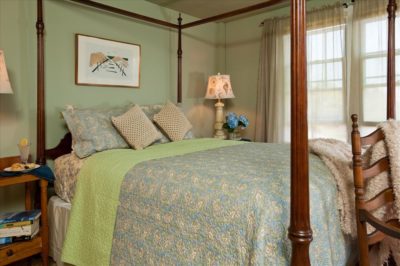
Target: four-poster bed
300 232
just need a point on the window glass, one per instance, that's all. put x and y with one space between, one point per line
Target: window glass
316 72
334 70
315 50
334 42
376 34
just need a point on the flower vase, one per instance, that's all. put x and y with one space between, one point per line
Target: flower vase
234 135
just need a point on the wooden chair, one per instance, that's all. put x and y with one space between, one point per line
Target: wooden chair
364 208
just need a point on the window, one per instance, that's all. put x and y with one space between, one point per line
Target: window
326 93
374 56
346 71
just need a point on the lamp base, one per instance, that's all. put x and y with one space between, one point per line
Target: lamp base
218 135
219 120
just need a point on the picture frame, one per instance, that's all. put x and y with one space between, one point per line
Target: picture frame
105 62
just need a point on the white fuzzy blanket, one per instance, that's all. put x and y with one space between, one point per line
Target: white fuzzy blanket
337 156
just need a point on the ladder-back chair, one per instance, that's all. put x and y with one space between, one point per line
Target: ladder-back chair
364 207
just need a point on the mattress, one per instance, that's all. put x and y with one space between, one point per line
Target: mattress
66 169
58 213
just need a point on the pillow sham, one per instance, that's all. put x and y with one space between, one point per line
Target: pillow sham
136 128
92 130
152 109
173 122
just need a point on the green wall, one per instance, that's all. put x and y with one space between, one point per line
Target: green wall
62 20
17 111
16 39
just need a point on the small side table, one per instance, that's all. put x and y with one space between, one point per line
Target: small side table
40 244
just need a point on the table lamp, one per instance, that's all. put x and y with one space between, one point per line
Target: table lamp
5 86
219 87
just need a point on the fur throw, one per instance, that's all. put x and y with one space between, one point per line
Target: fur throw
337 156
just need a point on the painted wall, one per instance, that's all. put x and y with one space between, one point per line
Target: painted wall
62 20
17 114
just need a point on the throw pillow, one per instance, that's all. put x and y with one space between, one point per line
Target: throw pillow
136 128
173 122
150 110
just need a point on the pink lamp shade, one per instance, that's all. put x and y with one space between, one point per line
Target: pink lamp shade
219 87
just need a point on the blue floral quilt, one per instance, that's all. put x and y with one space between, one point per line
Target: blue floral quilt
225 206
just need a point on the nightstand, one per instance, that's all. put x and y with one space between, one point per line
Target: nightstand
40 244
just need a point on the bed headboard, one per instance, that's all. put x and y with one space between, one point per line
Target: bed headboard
63 147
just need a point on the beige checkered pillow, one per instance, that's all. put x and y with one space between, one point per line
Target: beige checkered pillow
136 128
173 122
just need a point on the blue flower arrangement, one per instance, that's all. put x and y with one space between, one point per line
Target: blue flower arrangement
233 121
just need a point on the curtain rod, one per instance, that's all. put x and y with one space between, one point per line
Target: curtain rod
345 5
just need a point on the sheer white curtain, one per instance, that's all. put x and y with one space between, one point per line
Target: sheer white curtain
271 94
327 93
326 76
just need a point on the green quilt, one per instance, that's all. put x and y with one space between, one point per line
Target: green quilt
91 226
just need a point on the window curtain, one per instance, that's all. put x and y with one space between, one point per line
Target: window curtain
271 82
326 77
326 73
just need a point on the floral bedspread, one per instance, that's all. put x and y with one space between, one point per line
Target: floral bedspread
225 206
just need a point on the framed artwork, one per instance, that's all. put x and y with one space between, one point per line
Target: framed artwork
103 62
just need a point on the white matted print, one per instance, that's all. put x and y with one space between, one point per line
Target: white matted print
102 62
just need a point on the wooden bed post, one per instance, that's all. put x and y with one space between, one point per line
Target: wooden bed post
391 64
179 94
299 231
40 138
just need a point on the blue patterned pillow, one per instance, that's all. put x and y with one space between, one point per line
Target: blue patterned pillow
150 110
92 130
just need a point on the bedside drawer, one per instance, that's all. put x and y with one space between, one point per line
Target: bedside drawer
19 250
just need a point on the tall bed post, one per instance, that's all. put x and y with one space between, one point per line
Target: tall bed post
40 138
391 64
299 231
179 94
